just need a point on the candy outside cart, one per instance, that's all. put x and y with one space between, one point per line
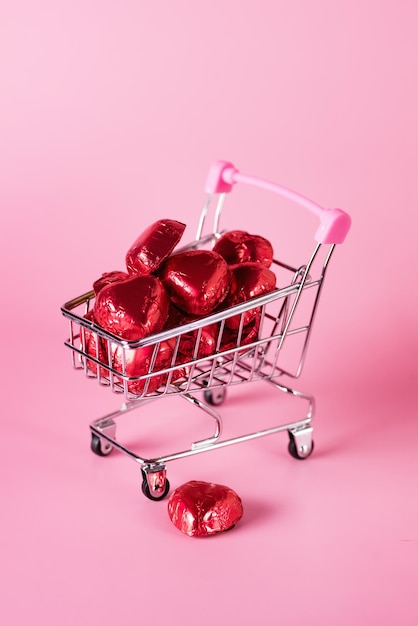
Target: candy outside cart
283 323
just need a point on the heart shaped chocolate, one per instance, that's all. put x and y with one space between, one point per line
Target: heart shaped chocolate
249 280
196 343
238 246
197 280
132 308
107 278
201 509
137 362
93 345
248 335
153 246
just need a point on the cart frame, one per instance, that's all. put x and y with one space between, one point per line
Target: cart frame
242 361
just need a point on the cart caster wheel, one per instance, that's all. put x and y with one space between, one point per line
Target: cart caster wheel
215 397
101 447
299 451
155 496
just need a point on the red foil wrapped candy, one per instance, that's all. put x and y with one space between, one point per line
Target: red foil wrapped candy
187 344
248 335
136 362
107 279
197 280
153 246
238 246
201 509
133 308
249 280
93 345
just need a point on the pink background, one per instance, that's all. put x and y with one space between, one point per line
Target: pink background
110 115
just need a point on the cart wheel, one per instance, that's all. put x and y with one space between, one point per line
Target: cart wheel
296 452
147 493
215 397
100 446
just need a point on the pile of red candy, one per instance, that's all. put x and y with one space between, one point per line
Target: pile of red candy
161 291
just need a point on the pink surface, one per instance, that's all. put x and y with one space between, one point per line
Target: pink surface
110 115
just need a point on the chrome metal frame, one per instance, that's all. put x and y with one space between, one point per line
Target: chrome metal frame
260 360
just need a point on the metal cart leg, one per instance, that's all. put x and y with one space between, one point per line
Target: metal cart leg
301 444
155 485
102 446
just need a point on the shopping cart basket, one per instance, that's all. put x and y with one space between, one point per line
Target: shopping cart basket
285 318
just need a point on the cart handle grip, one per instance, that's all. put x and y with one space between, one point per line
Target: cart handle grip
334 223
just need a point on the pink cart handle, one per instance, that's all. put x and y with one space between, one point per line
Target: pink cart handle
334 223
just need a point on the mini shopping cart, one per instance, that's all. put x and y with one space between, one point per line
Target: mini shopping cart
285 319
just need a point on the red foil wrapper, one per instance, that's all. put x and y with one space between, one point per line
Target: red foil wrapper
153 246
107 279
133 308
249 280
249 333
93 345
201 509
197 280
238 246
187 345
132 362
137 362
